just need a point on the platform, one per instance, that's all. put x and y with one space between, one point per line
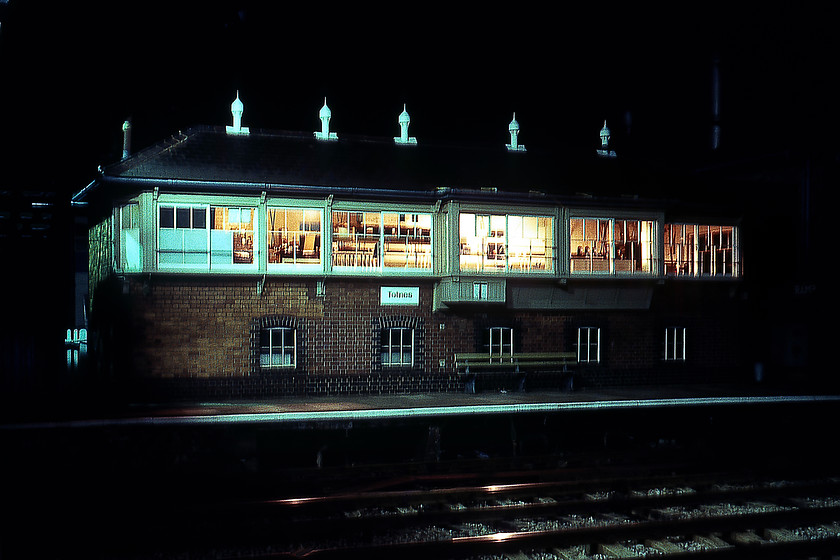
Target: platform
350 408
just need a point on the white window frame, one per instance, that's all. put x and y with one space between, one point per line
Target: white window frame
501 345
391 348
129 251
319 240
605 257
685 258
348 258
487 245
203 254
282 348
585 344
675 342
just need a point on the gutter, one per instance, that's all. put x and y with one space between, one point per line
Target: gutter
444 194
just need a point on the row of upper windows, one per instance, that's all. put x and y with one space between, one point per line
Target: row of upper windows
208 237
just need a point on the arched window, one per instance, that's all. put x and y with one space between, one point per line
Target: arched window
397 343
276 344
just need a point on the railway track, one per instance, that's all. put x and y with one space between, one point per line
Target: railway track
701 515
246 493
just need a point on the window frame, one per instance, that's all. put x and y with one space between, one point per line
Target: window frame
128 248
675 345
503 342
704 259
318 243
203 254
260 324
366 251
493 251
401 345
283 347
588 345
606 254
414 324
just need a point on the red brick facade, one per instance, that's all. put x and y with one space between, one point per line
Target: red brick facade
199 334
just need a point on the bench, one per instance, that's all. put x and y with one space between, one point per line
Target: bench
472 364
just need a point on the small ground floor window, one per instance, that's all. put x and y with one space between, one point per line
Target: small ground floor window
397 346
277 347
276 344
589 344
675 344
499 342
397 342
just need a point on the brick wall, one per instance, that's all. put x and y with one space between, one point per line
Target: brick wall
195 335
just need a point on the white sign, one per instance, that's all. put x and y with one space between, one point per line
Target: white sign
399 295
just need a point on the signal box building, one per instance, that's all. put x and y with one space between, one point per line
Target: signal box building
235 262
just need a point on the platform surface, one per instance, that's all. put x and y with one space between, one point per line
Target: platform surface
342 408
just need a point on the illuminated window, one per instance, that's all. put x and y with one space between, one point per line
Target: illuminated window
589 344
701 250
612 246
675 344
499 342
397 346
294 236
498 243
278 347
231 236
380 240
205 236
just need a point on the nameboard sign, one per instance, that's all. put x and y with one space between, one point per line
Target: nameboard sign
399 295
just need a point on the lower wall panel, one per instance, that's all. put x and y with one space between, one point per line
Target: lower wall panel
199 336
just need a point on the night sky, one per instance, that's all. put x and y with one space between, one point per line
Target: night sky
73 72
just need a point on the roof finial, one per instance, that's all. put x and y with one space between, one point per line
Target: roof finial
605 142
404 120
236 109
325 115
513 128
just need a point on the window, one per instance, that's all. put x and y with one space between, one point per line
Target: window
278 347
701 250
500 243
128 249
407 240
231 236
479 291
589 344
382 240
182 238
499 342
294 236
397 346
612 246
205 236
675 344
277 343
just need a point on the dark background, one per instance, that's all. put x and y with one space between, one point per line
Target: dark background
71 73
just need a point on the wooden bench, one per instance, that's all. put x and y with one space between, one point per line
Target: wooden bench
472 364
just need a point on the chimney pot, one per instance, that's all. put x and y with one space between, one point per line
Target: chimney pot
126 127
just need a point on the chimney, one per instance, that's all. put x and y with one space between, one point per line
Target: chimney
126 139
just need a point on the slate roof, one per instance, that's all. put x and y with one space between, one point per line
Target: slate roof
289 158
208 155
